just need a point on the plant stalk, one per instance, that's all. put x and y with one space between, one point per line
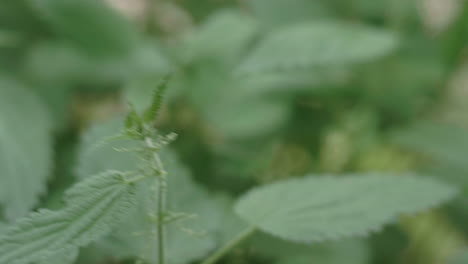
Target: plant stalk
230 245
160 222
161 201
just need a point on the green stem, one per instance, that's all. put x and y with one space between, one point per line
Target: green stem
161 200
161 211
230 245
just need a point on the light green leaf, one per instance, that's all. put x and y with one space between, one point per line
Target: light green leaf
316 44
136 237
90 25
25 148
94 207
313 209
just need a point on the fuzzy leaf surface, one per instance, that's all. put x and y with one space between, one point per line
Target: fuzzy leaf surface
94 207
324 208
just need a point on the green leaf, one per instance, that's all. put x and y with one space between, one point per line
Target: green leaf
69 64
90 25
349 252
63 257
133 122
58 99
445 146
187 239
460 258
25 148
249 118
14 15
94 207
234 108
444 142
135 238
213 41
95 154
355 250
280 12
291 83
316 44
314 209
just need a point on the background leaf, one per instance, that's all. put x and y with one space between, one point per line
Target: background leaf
105 33
348 251
212 40
315 44
444 147
25 153
322 208
279 12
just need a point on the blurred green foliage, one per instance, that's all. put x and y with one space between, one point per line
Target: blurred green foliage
261 90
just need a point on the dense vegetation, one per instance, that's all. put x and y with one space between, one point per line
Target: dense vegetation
303 128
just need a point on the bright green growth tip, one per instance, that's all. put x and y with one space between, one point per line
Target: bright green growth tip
139 126
152 113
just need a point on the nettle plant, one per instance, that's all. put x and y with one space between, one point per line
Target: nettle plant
256 87
137 213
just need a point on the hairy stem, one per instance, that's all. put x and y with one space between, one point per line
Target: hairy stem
161 200
230 245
